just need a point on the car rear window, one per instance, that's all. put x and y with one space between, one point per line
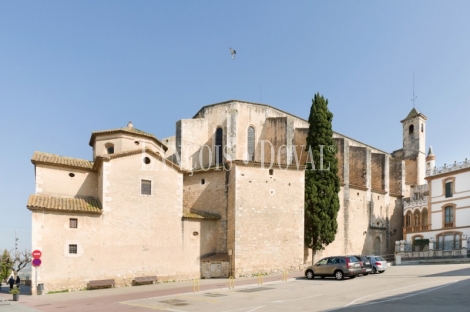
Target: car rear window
353 259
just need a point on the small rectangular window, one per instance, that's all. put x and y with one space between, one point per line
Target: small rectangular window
72 249
203 181
73 223
146 187
271 171
449 189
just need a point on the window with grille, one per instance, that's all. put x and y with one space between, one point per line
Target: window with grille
251 144
146 187
73 249
219 136
449 216
449 189
73 223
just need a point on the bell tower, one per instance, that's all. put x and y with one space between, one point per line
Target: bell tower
414 147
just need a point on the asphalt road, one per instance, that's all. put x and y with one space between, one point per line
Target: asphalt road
405 288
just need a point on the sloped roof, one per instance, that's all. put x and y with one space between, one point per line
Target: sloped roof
46 158
413 113
99 159
201 215
64 204
129 130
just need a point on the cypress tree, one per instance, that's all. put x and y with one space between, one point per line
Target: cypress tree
322 185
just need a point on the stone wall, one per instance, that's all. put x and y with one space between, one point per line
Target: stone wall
357 166
378 172
57 181
136 235
206 191
269 214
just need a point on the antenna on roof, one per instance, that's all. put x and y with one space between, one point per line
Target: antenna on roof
414 97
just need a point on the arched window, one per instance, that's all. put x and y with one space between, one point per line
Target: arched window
449 241
251 144
109 148
219 138
448 217
408 219
411 129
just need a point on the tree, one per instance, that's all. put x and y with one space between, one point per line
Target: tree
5 265
13 261
322 183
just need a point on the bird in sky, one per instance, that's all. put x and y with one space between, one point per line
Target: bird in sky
233 52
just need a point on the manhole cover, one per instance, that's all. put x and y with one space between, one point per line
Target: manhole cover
249 290
214 295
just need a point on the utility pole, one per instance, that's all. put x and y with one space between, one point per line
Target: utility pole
16 252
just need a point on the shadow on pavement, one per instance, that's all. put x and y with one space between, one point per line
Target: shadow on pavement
460 272
445 297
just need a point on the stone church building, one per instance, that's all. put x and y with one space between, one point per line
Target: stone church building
222 197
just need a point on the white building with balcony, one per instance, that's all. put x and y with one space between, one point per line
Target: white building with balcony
439 211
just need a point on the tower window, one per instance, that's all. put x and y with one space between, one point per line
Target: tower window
219 135
251 144
203 181
411 129
422 127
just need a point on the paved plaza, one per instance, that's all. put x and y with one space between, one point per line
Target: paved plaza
413 288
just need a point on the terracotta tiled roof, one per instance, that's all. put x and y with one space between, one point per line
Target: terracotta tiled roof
48 202
130 130
202 215
46 158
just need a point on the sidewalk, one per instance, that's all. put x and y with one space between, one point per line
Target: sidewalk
103 298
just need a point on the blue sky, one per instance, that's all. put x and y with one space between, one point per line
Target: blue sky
68 68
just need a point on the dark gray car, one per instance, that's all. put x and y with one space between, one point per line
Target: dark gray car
338 267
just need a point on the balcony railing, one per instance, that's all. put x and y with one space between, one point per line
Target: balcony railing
417 228
414 203
448 225
448 168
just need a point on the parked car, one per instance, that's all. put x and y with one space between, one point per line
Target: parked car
339 267
366 267
379 265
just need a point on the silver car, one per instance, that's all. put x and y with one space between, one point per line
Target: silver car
339 267
379 265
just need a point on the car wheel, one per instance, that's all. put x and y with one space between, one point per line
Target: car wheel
339 275
310 275
374 270
365 274
381 271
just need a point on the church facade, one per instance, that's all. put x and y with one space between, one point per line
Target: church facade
222 197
